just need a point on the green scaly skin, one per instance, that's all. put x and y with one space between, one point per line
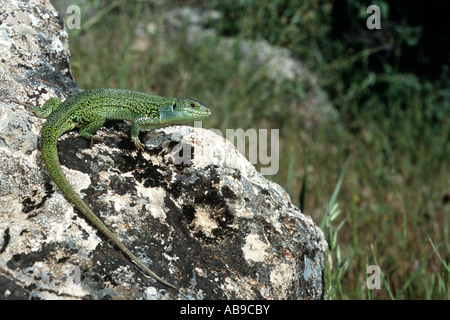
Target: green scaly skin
88 110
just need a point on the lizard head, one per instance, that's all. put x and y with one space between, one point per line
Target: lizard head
183 109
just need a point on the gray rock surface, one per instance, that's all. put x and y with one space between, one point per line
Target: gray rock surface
213 226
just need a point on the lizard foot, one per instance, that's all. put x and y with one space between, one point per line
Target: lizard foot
139 145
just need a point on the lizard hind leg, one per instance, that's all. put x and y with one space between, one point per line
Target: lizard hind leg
48 107
88 131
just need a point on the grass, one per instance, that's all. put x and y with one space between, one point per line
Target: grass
392 195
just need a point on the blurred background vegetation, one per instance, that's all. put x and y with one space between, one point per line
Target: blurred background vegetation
377 98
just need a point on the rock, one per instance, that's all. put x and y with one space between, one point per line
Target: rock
191 206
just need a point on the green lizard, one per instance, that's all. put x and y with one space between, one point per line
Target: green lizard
88 110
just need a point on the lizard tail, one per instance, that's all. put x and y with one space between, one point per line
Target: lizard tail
51 160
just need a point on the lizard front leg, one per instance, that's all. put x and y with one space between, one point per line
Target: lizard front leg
137 124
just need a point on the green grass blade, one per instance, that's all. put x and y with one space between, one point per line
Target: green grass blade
332 201
289 174
410 279
438 255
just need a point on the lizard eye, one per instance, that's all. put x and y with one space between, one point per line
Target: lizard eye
193 105
174 106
